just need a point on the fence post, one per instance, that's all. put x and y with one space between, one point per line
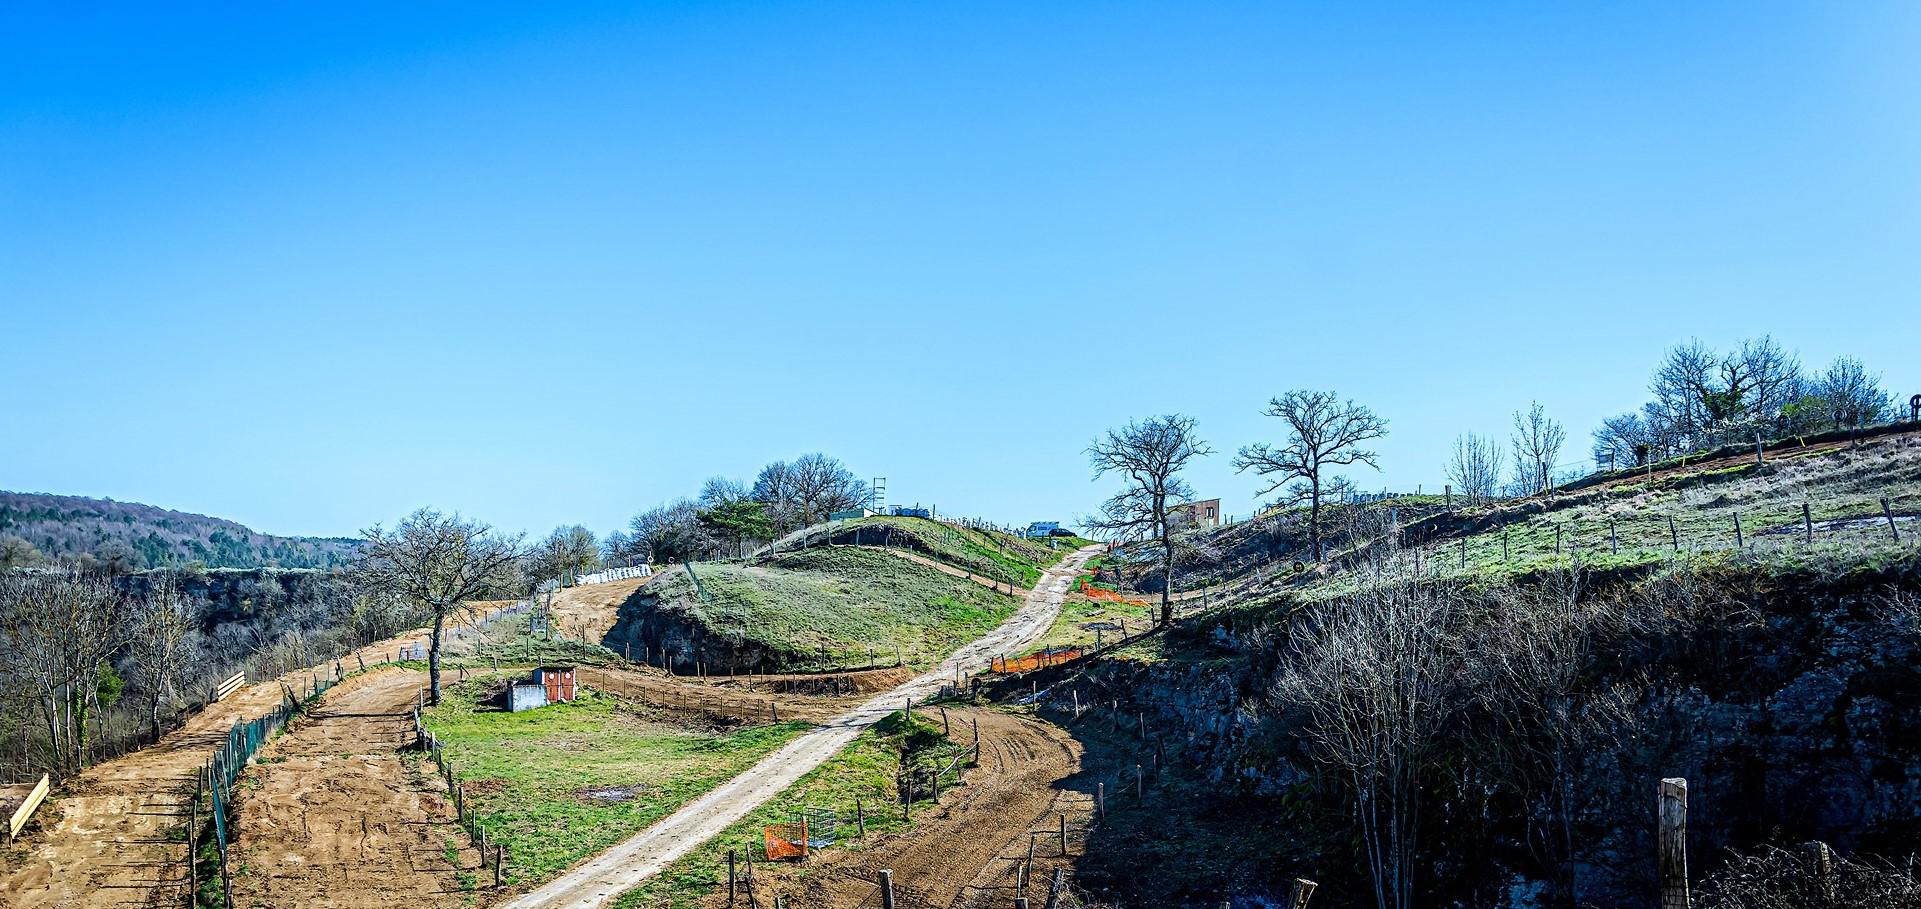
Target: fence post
1739 543
1100 801
1557 539
1504 532
1614 538
731 885
1824 869
1674 534
1063 833
860 818
1672 841
1888 512
886 890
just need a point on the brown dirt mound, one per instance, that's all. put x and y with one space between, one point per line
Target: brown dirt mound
867 681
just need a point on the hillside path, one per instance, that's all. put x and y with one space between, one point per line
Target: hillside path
601 879
109 836
331 816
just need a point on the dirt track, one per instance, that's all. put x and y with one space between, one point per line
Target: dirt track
588 612
604 877
331 816
966 853
105 837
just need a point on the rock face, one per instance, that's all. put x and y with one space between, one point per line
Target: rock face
1793 708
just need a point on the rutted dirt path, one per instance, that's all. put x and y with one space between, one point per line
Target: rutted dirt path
107 838
967 852
604 877
329 815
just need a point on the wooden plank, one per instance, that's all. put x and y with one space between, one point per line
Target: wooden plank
231 685
25 812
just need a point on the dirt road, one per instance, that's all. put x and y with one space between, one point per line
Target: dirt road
329 815
965 854
604 877
105 839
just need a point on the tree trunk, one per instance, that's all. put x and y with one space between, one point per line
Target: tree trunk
1314 515
433 658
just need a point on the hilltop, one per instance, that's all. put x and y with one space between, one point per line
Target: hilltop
145 536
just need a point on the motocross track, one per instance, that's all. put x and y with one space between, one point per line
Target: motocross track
601 879
329 815
966 853
107 836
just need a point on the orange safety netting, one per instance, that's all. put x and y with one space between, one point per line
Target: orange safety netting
1034 660
1102 593
785 841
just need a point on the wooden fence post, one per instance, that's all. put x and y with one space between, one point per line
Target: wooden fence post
860 817
731 885
1824 869
1888 513
500 861
1614 538
1739 543
1100 801
1063 833
1807 523
887 890
1672 840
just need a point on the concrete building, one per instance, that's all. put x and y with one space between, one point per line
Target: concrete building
546 685
1206 512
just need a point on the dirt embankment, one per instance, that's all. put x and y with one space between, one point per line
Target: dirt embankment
108 836
967 852
330 815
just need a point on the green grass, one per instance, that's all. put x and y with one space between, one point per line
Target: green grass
989 553
866 770
532 776
841 598
1079 611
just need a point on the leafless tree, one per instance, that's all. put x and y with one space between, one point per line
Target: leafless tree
566 552
806 490
1680 388
1537 443
672 532
441 563
378 615
1322 431
61 628
160 644
1475 466
1149 454
1623 441
1371 678
1850 394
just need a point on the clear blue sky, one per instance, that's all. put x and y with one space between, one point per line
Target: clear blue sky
559 262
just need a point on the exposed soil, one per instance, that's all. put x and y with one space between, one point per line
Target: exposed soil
737 700
111 835
600 879
588 612
330 815
968 851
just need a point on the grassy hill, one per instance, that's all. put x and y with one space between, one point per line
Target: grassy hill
144 536
836 590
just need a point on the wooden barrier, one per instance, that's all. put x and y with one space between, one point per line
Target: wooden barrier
231 685
25 811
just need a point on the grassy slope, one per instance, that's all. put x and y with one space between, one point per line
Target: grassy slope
989 553
866 770
529 774
839 598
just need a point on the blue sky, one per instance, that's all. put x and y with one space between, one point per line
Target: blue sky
310 270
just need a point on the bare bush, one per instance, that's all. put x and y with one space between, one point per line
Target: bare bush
1808 878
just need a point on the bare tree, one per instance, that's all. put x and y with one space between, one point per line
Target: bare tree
672 532
60 629
160 645
1322 431
1537 443
566 552
1623 441
439 562
1850 394
377 615
806 490
1475 466
1370 677
1149 454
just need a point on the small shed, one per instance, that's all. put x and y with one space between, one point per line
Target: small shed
545 685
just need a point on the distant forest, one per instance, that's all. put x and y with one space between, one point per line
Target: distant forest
131 537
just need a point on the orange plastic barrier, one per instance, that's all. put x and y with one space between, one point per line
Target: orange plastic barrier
1034 660
1102 593
785 841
